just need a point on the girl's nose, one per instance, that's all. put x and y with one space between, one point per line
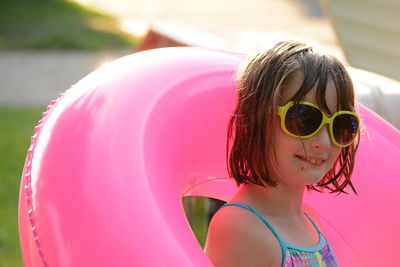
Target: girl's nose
321 141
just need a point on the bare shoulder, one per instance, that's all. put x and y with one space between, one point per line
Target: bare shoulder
237 237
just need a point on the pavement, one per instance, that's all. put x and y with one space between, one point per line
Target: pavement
37 77
31 77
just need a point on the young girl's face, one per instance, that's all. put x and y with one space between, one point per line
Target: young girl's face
304 161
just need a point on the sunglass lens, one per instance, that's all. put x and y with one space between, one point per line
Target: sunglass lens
345 128
302 120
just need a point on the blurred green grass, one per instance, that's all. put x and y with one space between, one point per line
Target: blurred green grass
58 24
16 124
196 211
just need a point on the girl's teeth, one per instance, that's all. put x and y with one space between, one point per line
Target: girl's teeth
313 161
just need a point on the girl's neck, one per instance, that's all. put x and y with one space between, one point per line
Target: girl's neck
277 201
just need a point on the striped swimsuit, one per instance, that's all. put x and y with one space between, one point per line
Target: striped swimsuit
293 255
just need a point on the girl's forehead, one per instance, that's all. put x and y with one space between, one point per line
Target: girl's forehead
292 86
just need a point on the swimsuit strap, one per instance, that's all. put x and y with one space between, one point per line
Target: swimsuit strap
282 243
315 225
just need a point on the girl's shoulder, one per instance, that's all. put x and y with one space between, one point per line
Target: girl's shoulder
236 237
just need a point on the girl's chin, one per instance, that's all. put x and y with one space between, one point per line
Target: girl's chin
312 175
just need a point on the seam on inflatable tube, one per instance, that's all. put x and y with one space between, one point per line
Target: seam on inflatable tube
28 179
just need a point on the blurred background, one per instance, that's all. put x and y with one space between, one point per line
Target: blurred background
48 45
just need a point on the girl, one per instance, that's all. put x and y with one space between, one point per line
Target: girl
294 127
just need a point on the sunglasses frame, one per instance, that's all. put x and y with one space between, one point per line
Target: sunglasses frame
282 111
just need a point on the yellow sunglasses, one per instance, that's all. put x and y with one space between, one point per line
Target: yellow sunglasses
305 119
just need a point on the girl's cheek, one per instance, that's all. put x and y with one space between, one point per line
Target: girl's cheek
335 153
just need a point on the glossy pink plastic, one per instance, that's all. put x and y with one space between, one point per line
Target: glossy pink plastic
113 156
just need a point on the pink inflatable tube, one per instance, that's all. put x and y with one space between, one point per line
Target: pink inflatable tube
112 158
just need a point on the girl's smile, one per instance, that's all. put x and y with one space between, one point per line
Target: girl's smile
313 161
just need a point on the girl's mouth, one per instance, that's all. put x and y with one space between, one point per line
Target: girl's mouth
312 160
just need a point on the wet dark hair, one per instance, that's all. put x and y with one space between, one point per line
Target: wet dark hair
250 153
